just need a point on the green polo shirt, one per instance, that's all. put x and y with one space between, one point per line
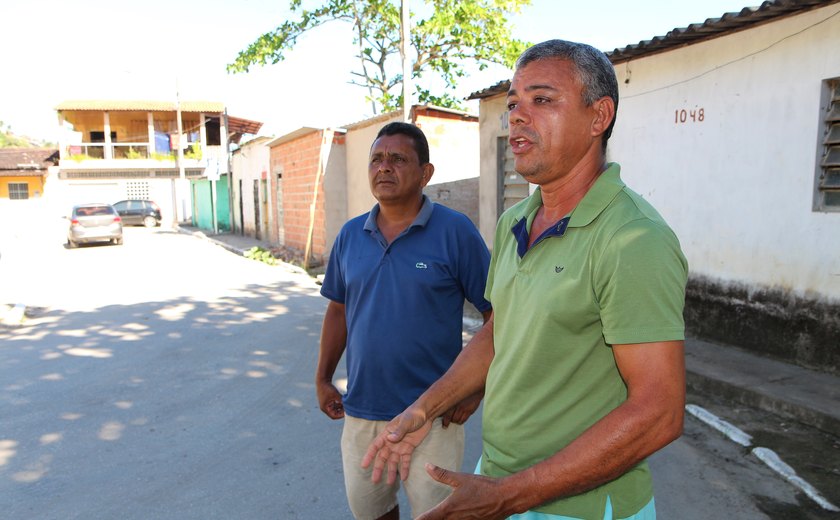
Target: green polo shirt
610 273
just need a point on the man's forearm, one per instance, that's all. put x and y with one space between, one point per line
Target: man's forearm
333 341
648 420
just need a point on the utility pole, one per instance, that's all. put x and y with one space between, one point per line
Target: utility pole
404 46
181 170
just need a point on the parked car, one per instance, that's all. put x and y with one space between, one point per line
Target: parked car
94 223
136 212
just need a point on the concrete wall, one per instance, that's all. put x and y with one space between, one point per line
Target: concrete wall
459 195
493 124
453 147
335 191
738 178
251 163
359 140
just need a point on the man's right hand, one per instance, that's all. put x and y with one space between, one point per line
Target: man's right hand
330 400
393 447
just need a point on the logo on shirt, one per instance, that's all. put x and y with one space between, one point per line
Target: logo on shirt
558 268
421 265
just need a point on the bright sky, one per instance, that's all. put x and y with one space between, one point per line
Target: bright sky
56 50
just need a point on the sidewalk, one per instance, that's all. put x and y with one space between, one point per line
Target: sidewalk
232 242
789 391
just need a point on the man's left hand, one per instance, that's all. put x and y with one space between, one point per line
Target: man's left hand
473 497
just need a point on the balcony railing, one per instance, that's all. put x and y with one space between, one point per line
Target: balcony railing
86 151
135 156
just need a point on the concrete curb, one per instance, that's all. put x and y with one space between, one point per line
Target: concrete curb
703 383
766 455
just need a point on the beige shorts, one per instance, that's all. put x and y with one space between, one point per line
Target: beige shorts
368 501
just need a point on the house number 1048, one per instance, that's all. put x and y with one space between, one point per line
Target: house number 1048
689 116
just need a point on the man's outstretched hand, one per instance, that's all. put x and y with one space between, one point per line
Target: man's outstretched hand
393 447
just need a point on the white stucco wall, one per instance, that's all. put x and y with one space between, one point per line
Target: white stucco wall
251 162
453 148
738 185
493 124
359 139
335 192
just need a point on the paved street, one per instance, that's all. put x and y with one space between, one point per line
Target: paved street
169 378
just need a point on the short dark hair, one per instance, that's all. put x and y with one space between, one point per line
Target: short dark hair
595 71
421 145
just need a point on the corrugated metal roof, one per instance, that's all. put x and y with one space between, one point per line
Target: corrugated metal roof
712 28
398 113
499 88
99 105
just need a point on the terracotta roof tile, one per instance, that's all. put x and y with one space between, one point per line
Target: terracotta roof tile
27 159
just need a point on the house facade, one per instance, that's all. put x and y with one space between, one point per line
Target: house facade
316 178
176 154
24 171
731 128
252 210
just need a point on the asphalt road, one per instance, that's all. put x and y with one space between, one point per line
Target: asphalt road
171 379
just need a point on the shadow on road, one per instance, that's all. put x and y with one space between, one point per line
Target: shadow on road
172 409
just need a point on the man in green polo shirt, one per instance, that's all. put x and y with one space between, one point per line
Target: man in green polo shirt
582 363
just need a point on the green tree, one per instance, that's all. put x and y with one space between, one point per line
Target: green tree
455 33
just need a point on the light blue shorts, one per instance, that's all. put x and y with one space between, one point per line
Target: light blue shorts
646 513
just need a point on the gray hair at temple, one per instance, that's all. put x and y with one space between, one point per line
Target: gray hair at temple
594 69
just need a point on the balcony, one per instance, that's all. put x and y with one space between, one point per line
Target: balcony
132 155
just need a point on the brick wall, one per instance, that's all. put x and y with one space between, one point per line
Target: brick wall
298 159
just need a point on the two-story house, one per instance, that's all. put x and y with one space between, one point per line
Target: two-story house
175 153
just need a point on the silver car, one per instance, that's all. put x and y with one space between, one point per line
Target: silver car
94 223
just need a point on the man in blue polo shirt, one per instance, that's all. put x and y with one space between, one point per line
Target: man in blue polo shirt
397 279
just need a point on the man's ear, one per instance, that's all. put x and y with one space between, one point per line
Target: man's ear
604 113
428 171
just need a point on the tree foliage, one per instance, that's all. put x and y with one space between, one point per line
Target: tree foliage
10 140
456 32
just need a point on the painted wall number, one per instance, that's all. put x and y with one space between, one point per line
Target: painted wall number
689 116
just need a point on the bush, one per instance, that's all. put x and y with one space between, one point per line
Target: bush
261 254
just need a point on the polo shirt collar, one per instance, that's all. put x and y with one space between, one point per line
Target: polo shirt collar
420 220
599 196
606 187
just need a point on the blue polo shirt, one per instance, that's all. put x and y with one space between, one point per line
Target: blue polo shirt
404 304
